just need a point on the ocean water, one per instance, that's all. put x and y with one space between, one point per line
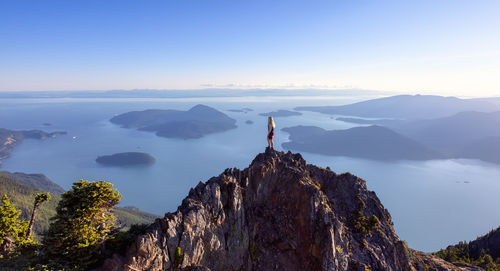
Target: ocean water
432 203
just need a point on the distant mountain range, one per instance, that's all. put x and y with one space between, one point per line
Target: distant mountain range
209 91
372 142
493 100
421 127
196 122
463 135
406 107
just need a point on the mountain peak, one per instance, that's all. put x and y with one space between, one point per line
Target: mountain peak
270 155
280 213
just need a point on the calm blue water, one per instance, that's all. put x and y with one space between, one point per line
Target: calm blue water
433 203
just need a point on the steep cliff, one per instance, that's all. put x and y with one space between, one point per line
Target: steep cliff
280 213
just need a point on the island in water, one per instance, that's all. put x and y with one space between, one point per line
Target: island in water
469 134
371 142
126 159
196 122
281 113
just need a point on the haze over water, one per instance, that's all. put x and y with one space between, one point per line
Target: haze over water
433 203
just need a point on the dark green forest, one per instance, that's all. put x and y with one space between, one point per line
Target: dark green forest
483 252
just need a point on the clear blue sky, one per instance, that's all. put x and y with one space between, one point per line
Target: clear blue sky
437 46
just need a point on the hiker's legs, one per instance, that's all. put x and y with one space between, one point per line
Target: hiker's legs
270 143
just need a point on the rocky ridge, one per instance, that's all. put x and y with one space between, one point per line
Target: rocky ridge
280 213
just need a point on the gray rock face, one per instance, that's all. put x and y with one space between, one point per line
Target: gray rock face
280 213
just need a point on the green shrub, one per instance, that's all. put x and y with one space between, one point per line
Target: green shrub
178 255
251 251
460 253
360 222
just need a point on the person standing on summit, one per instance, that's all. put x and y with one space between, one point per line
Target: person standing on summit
270 131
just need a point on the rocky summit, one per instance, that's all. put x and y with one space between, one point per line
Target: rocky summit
280 213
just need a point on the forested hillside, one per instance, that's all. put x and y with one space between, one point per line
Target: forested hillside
22 196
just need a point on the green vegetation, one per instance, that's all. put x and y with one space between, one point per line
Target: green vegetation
83 221
39 199
21 195
242 236
252 251
178 255
338 249
463 253
483 252
128 216
82 231
360 222
12 229
39 181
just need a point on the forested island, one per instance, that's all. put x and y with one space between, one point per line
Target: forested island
126 159
194 123
372 142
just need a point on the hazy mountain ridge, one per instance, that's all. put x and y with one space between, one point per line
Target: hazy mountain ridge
450 134
280 213
467 134
173 93
406 107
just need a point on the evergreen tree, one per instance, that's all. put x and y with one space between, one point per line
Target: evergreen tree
39 199
83 221
12 230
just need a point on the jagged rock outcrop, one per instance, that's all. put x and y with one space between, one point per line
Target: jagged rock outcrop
280 213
